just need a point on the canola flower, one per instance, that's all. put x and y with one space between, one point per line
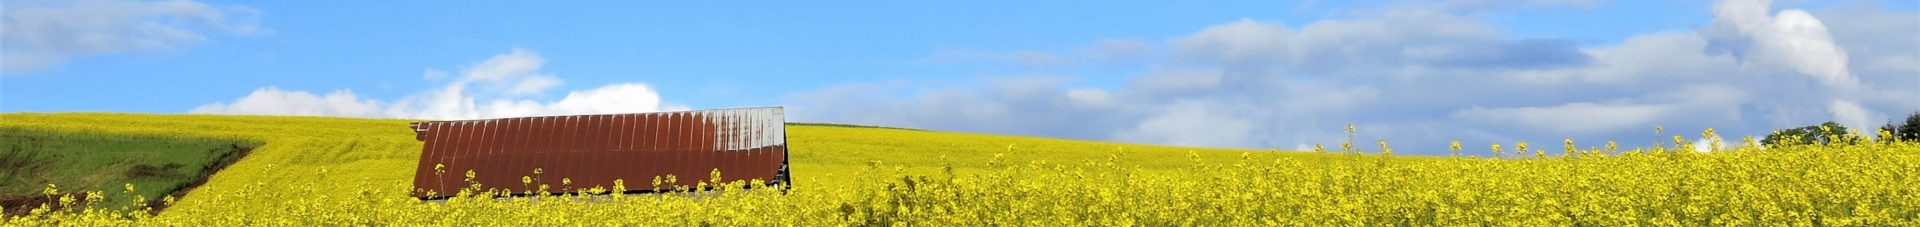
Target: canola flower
1519 148
1455 146
1384 149
1569 151
1048 184
1496 150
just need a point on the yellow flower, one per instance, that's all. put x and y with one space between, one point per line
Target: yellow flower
1569 146
1384 150
1496 149
1055 189
1455 146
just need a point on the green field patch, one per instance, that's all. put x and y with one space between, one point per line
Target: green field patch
76 162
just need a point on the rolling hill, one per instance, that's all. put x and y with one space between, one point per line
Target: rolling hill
337 171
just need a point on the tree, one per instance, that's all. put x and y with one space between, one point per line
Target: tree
1906 131
1822 134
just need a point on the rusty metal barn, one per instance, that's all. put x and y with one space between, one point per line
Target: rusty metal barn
594 150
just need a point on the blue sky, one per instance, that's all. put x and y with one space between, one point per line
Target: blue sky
1233 74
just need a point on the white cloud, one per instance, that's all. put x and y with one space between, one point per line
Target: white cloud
1192 124
1593 117
275 101
1034 105
1422 77
1093 97
1884 49
1641 58
614 98
1853 116
1706 144
1245 40
502 82
1179 80
1792 37
514 74
1877 40
1904 63
41 34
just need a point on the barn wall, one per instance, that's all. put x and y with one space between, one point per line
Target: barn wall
594 150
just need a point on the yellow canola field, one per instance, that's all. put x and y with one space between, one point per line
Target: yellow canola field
334 171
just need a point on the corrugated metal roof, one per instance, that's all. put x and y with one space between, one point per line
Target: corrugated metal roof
594 150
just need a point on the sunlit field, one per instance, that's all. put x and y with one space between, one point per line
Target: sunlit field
336 171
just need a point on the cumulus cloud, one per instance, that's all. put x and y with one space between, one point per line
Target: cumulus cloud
500 86
1101 53
1793 37
275 101
613 98
41 34
1707 144
516 73
1033 105
1398 42
1422 77
1241 41
1594 117
1852 115
1524 53
1884 52
1672 57
1250 83
1192 124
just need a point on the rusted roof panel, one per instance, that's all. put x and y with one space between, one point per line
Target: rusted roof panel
595 150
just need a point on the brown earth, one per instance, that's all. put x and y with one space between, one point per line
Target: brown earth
19 205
